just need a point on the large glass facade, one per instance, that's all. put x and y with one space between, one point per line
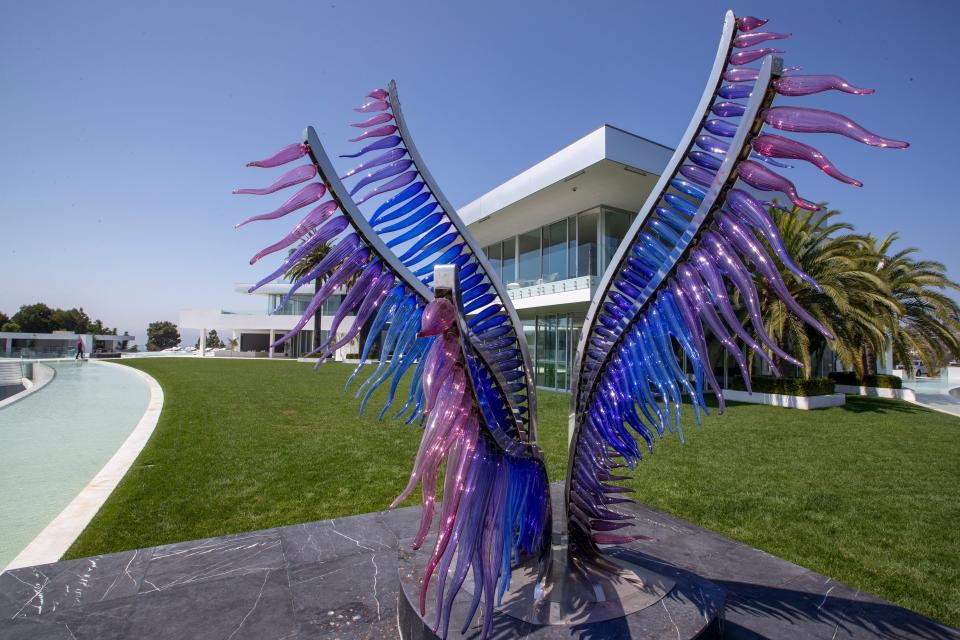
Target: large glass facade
554 242
581 245
528 261
587 255
552 339
615 226
509 260
297 305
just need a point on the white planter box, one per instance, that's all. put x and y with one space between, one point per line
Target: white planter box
878 392
791 402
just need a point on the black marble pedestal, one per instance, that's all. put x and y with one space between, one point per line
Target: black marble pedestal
339 579
674 604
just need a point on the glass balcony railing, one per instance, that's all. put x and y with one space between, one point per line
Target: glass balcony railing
518 291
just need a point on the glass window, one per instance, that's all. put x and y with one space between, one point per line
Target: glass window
546 351
587 243
555 251
509 250
528 264
494 255
563 349
330 305
572 247
615 226
530 335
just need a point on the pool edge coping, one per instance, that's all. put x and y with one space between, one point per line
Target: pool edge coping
54 540
33 388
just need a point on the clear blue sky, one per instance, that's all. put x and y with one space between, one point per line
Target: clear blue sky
124 127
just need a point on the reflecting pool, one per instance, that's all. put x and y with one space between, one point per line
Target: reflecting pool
53 442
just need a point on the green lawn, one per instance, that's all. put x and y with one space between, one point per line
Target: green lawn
866 493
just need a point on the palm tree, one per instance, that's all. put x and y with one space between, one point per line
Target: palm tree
301 268
853 292
927 321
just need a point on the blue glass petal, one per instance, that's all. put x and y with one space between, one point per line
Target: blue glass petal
425 225
404 195
720 128
705 160
413 218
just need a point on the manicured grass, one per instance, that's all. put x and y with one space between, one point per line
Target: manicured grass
865 493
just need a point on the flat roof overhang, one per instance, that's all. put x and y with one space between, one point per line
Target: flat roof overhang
608 166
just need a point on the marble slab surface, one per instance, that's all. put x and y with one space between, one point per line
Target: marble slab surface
339 579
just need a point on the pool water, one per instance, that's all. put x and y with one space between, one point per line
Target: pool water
938 393
53 442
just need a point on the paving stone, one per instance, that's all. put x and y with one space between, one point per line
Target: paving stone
340 579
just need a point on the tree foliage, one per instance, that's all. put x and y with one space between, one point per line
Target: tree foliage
213 341
871 299
40 318
162 335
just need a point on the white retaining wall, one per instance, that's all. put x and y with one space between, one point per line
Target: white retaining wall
790 402
878 392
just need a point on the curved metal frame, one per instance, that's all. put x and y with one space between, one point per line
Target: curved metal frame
335 187
478 253
663 185
723 181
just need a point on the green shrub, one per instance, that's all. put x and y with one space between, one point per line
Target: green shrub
845 377
882 380
786 386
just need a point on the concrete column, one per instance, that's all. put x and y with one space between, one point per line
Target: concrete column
203 343
273 336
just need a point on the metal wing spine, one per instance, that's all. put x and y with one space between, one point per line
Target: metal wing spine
673 270
502 298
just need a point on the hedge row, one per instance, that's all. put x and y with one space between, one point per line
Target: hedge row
881 380
786 386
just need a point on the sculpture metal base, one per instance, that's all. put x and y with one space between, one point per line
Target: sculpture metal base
568 597
641 598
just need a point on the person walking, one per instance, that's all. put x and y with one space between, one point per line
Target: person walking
79 349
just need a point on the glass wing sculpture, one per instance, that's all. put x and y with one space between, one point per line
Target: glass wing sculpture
701 236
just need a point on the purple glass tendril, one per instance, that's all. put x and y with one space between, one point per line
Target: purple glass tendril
746 57
760 177
307 195
290 178
400 181
741 74
388 171
745 207
438 316
384 143
373 105
745 40
377 132
805 85
726 109
282 156
774 146
383 158
316 217
372 121
806 120
749 23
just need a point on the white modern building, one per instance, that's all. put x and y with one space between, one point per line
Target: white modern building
549 232
255 332
59 344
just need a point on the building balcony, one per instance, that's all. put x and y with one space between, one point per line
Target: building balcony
552 294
